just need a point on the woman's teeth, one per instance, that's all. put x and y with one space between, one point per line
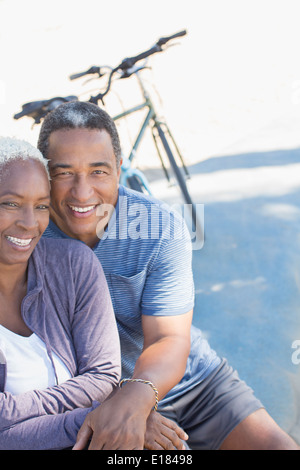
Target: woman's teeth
19 241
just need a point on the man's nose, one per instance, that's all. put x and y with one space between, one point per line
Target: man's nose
82 189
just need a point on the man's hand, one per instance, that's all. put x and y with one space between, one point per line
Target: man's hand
121 421
108 429
163 434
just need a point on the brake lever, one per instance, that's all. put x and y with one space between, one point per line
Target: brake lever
92 78
128 72
167 46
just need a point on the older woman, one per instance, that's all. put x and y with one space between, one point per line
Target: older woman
59 345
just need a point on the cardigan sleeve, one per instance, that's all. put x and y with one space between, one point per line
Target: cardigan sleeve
49 432
96 343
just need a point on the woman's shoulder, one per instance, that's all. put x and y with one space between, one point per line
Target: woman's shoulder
58 249
65 261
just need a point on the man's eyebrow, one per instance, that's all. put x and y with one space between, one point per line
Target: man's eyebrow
59 165
68 165
106 164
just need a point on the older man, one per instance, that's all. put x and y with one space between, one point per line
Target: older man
144 250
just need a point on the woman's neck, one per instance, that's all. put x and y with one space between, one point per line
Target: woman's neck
13 288
13 279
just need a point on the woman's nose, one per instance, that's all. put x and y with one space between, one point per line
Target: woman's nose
28 219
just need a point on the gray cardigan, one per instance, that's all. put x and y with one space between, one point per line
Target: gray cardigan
69 307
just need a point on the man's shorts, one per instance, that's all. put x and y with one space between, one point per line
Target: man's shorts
213 408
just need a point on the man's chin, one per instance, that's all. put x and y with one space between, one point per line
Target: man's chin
84 233
82 229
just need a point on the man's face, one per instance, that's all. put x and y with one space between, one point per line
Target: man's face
84 176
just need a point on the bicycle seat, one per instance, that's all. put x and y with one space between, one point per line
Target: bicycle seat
30 108
39 109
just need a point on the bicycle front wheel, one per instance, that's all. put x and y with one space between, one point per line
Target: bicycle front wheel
178 174
177 171
133 182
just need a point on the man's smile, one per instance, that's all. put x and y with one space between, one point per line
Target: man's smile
82 211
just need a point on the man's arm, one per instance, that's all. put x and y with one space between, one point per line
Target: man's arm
120 422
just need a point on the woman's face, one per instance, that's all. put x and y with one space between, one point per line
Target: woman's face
24 209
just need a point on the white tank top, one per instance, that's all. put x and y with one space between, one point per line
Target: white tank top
28 365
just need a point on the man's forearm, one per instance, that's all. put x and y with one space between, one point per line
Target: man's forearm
163 363
121 421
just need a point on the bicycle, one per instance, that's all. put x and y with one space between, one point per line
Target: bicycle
130 176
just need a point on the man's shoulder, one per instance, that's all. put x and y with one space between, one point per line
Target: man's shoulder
136 197
136 203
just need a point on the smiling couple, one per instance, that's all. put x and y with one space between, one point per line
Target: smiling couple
77 313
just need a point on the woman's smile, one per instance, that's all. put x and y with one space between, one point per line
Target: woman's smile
24 210
19 243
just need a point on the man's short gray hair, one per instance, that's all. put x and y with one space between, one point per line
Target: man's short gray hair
12 149
78 115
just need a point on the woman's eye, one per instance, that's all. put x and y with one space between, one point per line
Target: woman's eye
43 207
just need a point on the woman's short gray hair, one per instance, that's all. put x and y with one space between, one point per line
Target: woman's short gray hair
12 149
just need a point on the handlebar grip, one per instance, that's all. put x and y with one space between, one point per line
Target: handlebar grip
77 75
164 40
130 61
93 69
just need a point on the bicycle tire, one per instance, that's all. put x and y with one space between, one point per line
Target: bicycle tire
133 182
179 176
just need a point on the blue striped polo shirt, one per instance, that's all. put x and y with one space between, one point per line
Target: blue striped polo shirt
146 255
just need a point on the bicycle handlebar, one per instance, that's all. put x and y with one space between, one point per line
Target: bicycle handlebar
38 109
163 41
91 70
128 63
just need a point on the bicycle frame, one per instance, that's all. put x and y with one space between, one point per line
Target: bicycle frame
127 170
161 134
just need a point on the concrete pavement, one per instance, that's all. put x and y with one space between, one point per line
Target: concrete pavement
247 275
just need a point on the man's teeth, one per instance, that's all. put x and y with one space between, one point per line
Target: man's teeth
82 209
19 241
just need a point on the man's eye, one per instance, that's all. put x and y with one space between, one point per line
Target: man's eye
43 207
99 172
9 204
61 173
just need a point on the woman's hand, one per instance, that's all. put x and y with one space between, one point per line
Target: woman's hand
163 434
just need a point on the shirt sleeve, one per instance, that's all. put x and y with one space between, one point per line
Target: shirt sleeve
169 286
